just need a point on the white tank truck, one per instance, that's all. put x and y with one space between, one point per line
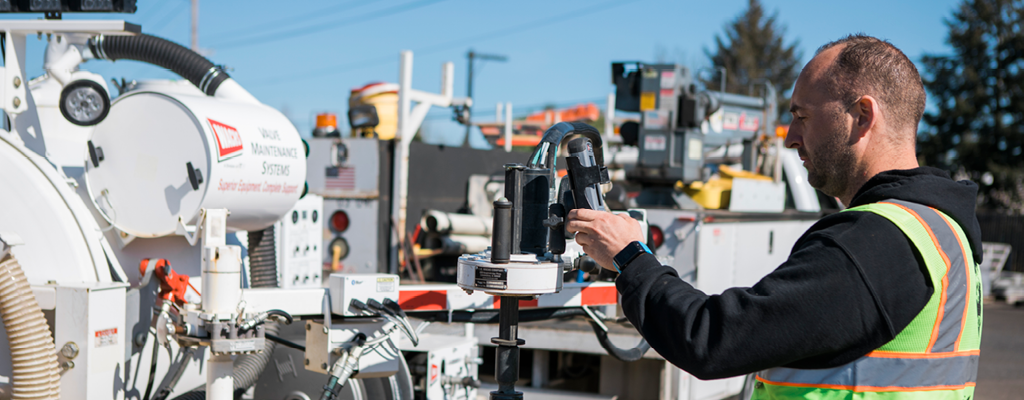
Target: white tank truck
100 198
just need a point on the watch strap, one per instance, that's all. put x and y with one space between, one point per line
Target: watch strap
627 255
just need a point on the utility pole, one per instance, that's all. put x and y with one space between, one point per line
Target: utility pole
472 55
195 26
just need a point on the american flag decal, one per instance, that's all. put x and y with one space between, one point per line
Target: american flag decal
340 178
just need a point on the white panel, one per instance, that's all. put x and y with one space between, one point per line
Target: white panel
361 234
753 195
346 168
302 301
716 254
299 239
93 318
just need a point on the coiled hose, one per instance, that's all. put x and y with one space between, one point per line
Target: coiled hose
262 259
247 369
161 52
33 355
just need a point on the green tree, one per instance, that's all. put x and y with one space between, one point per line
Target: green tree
977 127
751 50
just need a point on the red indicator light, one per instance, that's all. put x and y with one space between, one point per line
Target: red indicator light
657 236
339 221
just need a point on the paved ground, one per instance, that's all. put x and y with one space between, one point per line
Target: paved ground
1001 371
1000 374
530 393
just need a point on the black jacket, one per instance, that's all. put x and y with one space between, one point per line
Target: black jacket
851 283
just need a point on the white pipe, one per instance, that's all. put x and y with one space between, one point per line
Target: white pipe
457 224
65 64
427 98
508 128
222 288
448 81
804 196
222 266
399 188
419 113
609 117
473 244
497 112
222 291
777 170
231 90
220 383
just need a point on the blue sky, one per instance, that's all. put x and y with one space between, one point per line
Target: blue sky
303 57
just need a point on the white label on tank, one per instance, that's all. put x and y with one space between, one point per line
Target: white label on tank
106 337
654 142
229 142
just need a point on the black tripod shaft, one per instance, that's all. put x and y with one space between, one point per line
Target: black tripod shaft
506 366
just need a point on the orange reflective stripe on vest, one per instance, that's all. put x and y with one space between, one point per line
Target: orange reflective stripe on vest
940 360
955 289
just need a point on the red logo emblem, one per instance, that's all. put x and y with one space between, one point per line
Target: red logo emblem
434 372
229 142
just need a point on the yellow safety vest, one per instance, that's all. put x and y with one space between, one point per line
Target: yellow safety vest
936 355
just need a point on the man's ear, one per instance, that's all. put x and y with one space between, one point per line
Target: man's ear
866 113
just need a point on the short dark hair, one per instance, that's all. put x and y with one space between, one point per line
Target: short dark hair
867 65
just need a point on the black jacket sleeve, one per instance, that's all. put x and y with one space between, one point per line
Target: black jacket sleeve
850 285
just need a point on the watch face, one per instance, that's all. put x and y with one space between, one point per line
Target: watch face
632 250
626 255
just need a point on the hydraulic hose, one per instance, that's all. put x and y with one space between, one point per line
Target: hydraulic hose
248 367
544 156
536 314
161 52
627 355
491 316
33 356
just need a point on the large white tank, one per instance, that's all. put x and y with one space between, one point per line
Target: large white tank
245 157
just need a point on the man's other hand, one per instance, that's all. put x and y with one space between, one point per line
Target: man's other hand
603 234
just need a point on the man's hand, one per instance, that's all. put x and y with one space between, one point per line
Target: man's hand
603 234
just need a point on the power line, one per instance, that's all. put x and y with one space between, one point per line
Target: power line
376 61
175 8
320 13
309 30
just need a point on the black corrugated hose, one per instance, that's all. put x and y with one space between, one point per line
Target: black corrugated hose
262 259
161 52
247 369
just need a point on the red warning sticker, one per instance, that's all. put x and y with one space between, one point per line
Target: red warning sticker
106 337
229 142
749 123
434 372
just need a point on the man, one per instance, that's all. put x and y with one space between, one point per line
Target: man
882 300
